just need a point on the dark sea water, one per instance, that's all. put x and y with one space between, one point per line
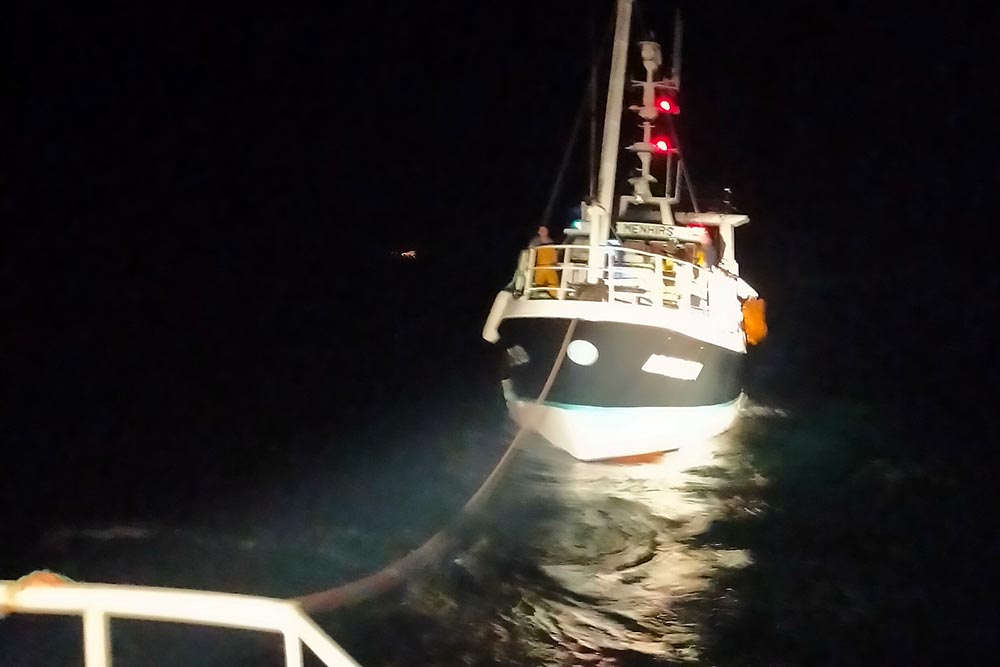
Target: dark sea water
289 436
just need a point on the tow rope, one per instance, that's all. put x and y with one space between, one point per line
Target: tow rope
392 575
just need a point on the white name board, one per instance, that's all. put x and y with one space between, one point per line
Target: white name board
673 367
660 232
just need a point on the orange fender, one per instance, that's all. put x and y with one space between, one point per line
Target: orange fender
754 323
36 578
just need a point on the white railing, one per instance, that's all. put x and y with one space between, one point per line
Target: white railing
97 604
630 276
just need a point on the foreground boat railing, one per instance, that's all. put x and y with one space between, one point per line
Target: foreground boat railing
97 604
628 275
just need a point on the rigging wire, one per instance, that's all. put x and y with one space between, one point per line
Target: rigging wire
441 542
564 163
588 98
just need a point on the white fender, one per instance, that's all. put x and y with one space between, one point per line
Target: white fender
490 332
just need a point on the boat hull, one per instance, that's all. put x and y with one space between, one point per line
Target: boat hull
594 434
650 389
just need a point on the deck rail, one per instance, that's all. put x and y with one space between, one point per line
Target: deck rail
97 604
624 275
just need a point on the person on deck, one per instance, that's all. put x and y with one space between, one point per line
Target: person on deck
541 238
545 257
707 255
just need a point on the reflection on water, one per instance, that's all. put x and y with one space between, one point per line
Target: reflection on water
585 563
617 545
824 538
570 563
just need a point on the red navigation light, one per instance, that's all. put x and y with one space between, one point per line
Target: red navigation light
667 105
662 145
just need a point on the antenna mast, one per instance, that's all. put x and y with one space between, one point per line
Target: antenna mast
649 111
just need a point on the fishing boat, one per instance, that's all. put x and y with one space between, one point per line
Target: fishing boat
661 319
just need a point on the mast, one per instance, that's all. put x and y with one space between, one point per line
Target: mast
612 122
592 100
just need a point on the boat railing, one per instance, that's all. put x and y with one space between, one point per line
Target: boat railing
623 275
97 604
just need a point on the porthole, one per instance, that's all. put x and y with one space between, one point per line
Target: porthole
582 352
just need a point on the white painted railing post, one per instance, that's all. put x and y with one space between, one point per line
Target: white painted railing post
293 649
564 275
684 276
609 271
97 604
658 268
96 638
529 278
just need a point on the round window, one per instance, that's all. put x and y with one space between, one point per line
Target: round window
582 352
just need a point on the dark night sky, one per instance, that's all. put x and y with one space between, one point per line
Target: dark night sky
152 136
169 165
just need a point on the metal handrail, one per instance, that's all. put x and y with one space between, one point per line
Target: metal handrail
673 286
98 603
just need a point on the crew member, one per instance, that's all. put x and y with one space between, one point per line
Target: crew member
545 257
